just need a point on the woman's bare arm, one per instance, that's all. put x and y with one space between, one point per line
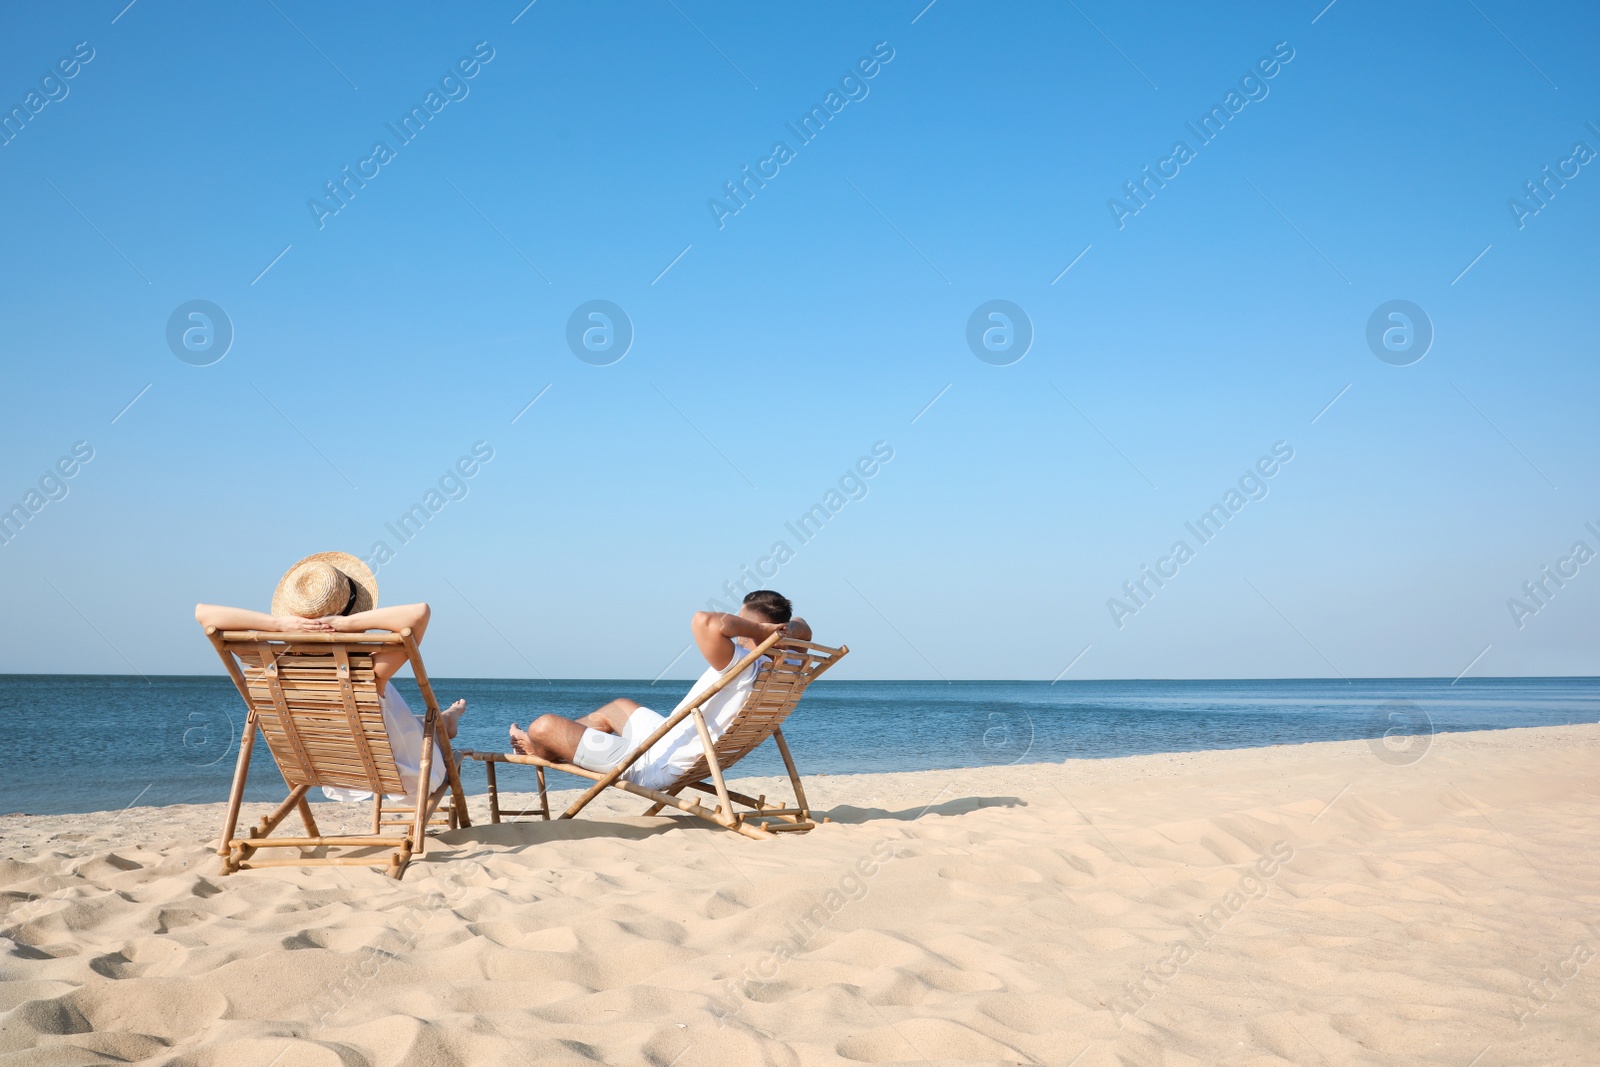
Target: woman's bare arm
226 618
399 617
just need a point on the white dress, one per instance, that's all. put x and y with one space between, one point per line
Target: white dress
405 741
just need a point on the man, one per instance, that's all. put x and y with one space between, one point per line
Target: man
603 738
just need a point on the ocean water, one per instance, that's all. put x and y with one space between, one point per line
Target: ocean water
101 742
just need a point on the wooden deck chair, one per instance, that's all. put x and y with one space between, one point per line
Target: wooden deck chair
793 665
314 697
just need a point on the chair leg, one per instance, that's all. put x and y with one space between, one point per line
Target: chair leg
544 800
241 772
725 805
494 791
423 808
459 816
308 819
400 859
794 775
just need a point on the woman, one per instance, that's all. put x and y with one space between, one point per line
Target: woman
334 592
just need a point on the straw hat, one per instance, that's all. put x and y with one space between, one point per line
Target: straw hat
328 583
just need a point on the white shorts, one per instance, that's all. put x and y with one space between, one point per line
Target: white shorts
599 751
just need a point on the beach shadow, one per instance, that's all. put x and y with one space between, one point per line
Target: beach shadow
852 815
524 832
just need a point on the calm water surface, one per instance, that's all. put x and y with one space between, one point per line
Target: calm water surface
98 742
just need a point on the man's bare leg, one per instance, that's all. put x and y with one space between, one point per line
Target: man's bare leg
551 737
555 737
612 717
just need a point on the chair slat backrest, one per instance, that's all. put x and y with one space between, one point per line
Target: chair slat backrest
779 685
317 706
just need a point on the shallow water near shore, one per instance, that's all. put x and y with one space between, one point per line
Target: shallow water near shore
71 743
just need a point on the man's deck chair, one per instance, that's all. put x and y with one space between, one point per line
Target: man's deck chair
779 684
314 698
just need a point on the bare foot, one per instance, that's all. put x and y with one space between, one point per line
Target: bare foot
520 741
451 716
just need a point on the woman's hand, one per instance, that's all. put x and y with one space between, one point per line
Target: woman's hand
328 624
296 624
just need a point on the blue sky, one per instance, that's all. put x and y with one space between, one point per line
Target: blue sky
772 352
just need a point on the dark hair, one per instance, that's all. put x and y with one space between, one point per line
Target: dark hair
772 607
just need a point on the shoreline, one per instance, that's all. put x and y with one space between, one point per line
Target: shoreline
1111 770
1136 765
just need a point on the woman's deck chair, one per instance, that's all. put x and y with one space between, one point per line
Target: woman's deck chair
779 684
314 698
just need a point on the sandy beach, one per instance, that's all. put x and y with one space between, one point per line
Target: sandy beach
1327 903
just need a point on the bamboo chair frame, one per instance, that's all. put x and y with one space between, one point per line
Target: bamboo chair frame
778 687
314 698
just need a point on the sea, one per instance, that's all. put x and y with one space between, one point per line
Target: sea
74 743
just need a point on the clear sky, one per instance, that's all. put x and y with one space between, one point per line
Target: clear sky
969 153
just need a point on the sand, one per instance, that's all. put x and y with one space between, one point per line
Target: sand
1329 903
